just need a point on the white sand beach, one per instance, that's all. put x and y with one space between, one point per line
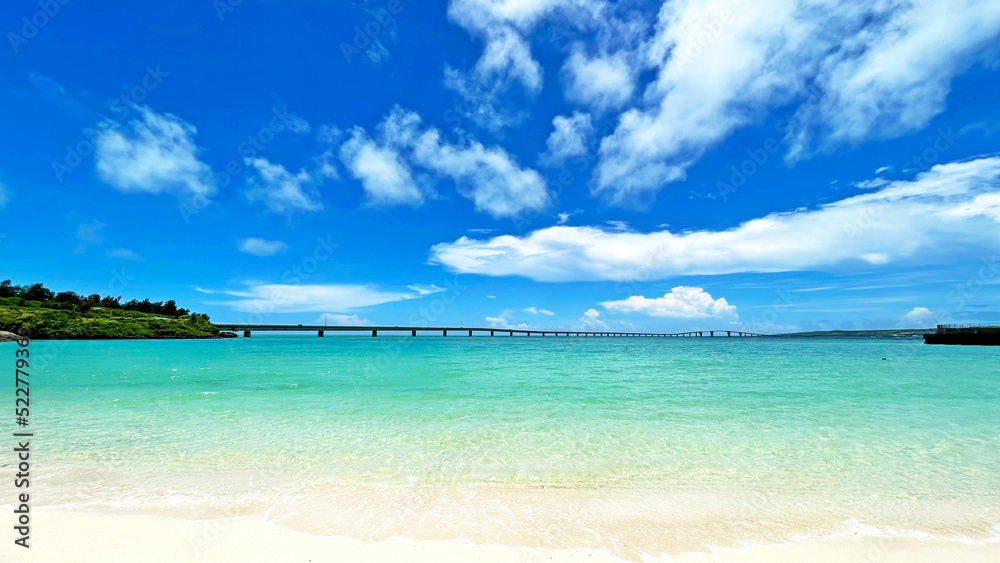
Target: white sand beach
76 536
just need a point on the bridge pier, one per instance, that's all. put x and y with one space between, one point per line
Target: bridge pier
413 333
320 334
444 333
246 334
491 333
512 333
470 333
374 333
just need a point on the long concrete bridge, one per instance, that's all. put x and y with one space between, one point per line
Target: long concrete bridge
321 330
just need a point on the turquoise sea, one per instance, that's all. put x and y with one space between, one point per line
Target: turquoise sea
631 445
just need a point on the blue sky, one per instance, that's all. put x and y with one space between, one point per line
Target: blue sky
773 166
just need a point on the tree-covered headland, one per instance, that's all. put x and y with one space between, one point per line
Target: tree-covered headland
47 314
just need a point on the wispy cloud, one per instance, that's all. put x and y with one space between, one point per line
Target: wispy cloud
87 234
343 320
56 93
262 247
279 298
124 254
537 311
426 289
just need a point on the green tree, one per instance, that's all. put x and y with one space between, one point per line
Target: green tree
8 290
38 292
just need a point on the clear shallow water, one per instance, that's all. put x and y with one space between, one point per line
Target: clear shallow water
630 445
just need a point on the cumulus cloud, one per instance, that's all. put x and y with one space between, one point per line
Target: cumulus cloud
489 176
262 247
949 209
858 70
922 316
592 319
569 138
154 154
384 175
279 298
279 190
682 303
505 320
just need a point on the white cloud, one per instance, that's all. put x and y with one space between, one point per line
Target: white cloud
505 320
505 27
569 138
279 190
124 254
592 319
946 210
426 289
153 154
682 302
859 70
262 247
343 320
384 175
491 296
537 311
565 215
601 82
489 176
921 316
506 53
892 76
278 298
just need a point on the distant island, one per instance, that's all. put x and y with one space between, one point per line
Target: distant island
68 315
890 333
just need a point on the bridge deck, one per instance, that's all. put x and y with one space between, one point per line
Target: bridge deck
444 330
